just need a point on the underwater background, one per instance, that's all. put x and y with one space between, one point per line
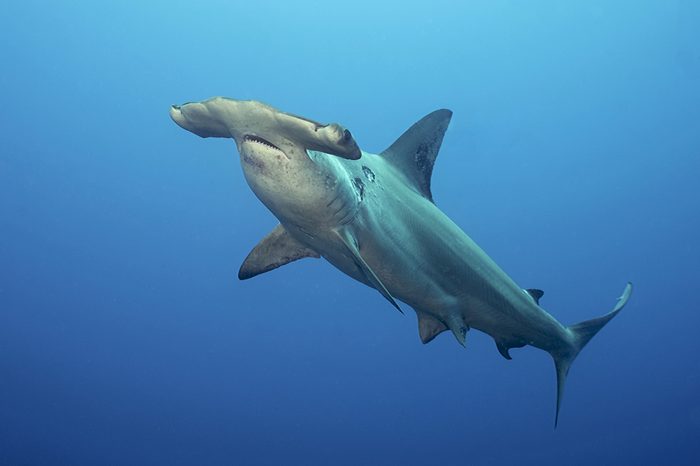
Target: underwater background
573 159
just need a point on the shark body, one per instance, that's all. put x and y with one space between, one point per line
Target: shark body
373 217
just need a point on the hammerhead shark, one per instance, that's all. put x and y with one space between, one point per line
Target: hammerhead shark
373 217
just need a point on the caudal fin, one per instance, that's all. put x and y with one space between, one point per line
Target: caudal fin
581 334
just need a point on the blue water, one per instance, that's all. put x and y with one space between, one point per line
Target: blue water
573 159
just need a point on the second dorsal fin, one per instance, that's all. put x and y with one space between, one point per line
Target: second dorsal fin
415 151
535 293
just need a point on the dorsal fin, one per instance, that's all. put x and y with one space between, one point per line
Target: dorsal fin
274 250
535 293
415 151
429 327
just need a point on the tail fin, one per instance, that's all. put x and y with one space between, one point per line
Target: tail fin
581 335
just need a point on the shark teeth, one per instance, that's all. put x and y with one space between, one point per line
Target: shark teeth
259 140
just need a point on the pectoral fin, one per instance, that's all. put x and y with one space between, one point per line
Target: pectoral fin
275 250
354 251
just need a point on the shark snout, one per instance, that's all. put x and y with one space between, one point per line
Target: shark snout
177 116
197 118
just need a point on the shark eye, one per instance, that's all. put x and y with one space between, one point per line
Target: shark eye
347 135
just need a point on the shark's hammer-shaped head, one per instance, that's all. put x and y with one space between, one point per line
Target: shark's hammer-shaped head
249 121
275 150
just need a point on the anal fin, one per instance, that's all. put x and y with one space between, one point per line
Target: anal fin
503 349
275 250
505 346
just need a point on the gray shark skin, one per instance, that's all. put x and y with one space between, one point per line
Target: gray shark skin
373 217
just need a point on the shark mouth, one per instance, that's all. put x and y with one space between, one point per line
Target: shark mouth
259 140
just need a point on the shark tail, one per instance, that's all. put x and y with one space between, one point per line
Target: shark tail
581 334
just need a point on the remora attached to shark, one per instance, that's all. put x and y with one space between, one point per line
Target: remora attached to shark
373 217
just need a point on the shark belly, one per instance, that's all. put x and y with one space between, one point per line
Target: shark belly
425 260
